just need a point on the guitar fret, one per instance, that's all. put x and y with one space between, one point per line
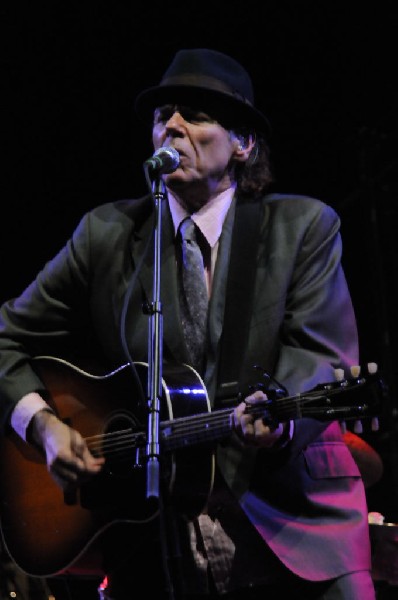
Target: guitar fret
195 430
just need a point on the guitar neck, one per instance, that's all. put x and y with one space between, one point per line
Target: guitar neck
327 402
196 429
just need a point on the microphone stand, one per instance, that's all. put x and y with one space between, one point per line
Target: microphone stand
155 352
169 536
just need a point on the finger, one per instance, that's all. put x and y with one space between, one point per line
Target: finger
237 414
84 461
92 464
247 426
260 428
63 474
77 444
264 435
256 397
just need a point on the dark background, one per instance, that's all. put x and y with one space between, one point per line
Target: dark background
326 75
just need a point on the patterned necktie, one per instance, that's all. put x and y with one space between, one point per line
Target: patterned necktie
193 294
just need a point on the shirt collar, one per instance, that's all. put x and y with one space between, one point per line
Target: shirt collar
210 218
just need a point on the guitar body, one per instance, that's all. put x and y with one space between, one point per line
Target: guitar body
47 533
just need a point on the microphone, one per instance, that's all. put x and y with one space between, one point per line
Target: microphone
164 160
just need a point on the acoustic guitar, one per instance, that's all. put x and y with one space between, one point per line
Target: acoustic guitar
47 532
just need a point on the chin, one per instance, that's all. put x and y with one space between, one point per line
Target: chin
175 181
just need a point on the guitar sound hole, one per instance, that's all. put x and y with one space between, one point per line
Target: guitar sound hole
123 446
120 485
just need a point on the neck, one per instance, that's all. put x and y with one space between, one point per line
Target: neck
197 194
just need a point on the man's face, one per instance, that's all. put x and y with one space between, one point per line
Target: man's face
204 146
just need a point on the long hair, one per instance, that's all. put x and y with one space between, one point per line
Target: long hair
255 175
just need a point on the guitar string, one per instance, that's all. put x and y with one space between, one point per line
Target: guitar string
219 416
127 438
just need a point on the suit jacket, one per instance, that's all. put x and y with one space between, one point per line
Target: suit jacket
307 500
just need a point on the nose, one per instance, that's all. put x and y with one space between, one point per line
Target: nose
176 123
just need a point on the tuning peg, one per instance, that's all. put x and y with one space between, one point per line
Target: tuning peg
358 427
355 371
343 426
339 374
372 368
375 424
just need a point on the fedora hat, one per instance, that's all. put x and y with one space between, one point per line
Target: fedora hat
208 80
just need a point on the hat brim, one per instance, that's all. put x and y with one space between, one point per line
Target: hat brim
228 110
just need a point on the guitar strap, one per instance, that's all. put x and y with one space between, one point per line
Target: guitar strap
239 298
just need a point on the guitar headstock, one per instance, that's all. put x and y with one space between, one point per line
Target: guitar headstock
354 397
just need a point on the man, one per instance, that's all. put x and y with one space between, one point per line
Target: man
287 512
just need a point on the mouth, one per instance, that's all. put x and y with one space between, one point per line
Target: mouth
180 152
182 157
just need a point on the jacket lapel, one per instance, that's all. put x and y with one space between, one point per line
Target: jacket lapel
239 299
173 339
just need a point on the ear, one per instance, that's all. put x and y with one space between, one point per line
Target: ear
243 147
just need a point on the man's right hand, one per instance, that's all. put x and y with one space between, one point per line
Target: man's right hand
68 458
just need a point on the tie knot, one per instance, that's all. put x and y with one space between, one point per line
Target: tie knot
187 228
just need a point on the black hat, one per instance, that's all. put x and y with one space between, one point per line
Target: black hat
208 80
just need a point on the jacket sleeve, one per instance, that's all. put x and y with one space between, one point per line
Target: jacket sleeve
40 320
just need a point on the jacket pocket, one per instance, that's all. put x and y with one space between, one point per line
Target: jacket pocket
330 459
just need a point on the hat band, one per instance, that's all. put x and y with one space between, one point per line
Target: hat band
203 81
